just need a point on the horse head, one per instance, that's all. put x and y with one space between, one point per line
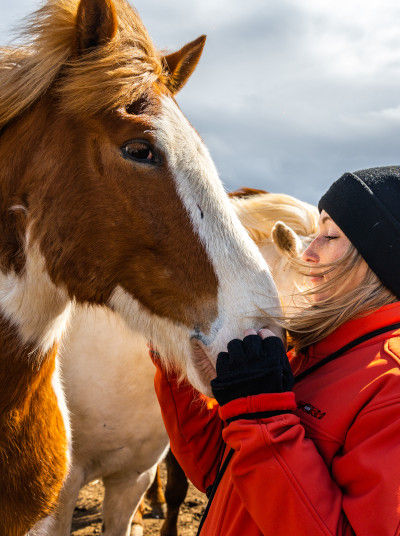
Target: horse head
110 197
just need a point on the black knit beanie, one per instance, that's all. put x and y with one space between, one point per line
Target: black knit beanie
366 206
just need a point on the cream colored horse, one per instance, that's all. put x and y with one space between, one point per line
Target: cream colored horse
118 434
281 226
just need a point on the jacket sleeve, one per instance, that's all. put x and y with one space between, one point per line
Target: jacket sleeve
284 482
194 428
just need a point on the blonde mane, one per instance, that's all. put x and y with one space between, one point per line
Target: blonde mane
113 75
259 213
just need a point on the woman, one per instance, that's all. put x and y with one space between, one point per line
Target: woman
318 453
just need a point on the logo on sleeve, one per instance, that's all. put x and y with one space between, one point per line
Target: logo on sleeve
311 410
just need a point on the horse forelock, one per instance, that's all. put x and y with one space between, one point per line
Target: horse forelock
259 213
103 78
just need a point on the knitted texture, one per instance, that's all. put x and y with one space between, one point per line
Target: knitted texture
251 367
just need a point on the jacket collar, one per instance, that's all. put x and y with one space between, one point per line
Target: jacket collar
351 330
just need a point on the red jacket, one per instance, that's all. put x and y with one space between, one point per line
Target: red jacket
332 467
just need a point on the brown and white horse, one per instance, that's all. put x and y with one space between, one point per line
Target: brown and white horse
108 197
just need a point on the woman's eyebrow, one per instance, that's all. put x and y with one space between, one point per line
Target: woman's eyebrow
325 218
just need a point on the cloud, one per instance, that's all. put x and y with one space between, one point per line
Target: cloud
288 94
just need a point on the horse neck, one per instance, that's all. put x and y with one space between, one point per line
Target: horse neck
33 311
33 315
23 370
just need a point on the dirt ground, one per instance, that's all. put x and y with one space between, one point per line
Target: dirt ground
87 516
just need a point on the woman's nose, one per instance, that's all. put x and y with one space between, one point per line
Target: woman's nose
310 255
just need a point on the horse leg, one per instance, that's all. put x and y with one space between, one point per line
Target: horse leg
175 493
123 493
42 528
155 496
137 522
59 524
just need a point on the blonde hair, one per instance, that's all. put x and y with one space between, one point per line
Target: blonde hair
112 75
310 322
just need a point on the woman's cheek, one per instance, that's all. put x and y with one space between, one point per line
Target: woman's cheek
338 248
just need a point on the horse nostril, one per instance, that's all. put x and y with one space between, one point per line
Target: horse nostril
201 212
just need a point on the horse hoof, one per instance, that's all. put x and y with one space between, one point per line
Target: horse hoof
137 530
159 511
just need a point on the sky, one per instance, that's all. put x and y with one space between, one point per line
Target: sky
288 94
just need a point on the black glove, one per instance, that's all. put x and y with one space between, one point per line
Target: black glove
251 367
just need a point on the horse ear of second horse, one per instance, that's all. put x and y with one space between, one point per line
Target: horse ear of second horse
96 24
181 64
286 240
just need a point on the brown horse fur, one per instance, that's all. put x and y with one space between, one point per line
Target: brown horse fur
155 500
155 496
32 435
175 493
78 85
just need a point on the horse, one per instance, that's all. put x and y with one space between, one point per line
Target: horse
118 431
109 199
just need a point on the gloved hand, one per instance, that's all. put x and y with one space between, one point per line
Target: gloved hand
250 367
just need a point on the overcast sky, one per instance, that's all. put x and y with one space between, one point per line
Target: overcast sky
289 93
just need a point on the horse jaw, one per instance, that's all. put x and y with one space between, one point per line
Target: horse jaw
171 339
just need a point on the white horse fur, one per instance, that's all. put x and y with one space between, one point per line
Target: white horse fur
118 434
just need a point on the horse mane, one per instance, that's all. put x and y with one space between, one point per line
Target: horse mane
110 76
259 213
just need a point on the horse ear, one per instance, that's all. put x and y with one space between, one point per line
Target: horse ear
180 65
245 191
286 240
96 23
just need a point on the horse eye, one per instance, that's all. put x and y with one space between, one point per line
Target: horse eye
139 151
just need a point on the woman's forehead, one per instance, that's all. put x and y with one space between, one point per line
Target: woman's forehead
325 218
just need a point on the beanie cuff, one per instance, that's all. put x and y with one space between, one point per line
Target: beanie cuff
371 228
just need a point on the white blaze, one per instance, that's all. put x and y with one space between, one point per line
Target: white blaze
245 282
